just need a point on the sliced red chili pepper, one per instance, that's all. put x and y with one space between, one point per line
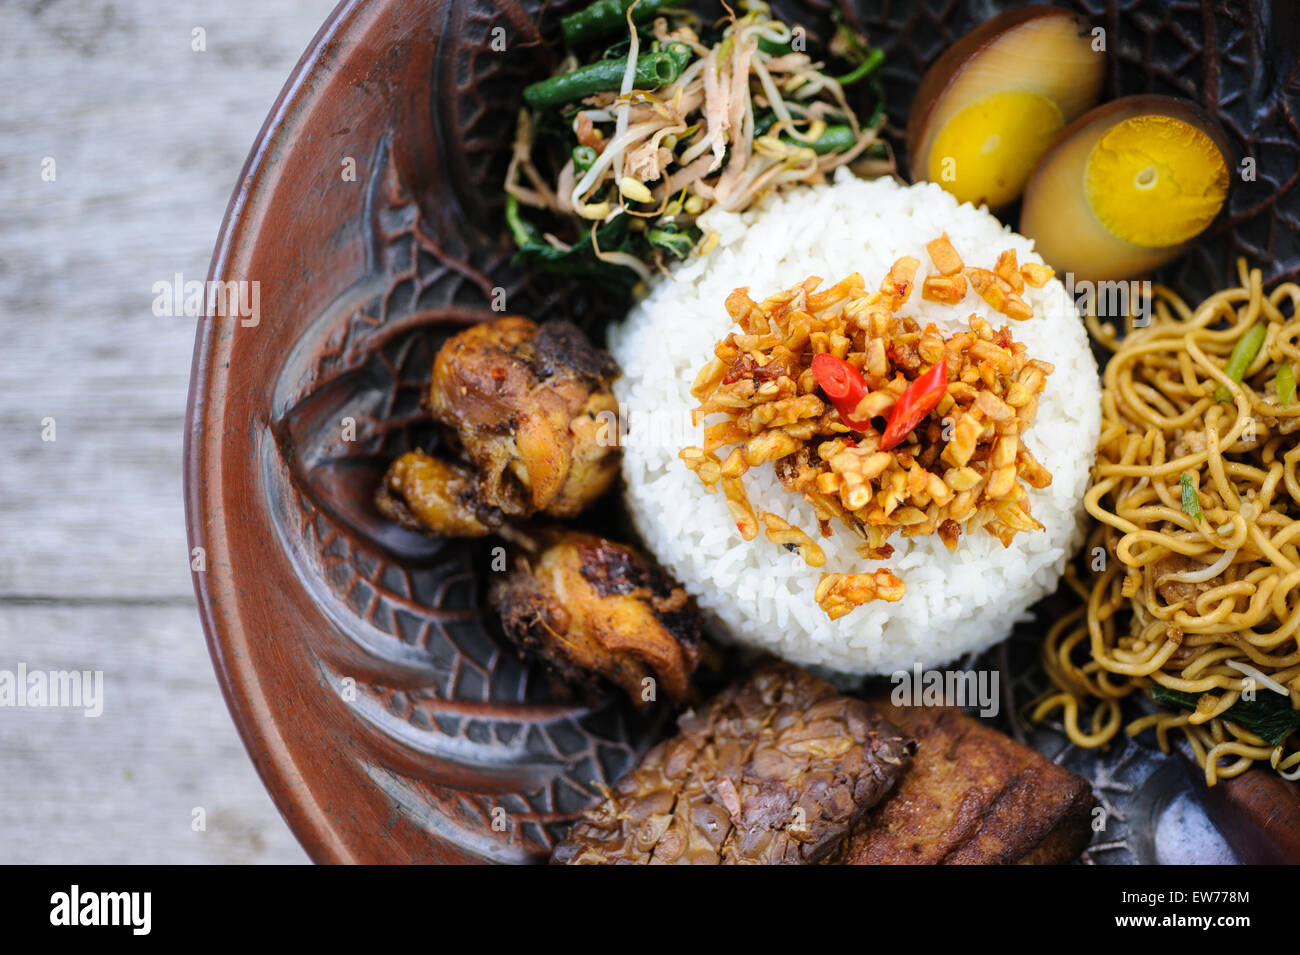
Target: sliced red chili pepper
915 403
843 385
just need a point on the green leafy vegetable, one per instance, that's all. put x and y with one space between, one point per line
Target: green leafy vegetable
878 112
1191 503
579 260
671 240
848 42
633 203
1269 716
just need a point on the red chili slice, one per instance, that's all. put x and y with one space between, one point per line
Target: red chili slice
843 385
915 403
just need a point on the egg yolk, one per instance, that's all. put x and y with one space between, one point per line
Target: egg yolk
986 152
1155 181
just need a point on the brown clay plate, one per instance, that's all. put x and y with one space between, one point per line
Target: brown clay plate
373 693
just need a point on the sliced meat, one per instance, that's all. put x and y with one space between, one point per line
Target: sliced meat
596 611
775 770
1179 591
973 796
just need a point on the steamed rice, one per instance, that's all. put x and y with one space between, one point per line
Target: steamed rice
759 593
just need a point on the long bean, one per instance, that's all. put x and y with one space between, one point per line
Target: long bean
653 70
583 158
1243 354
605 16
864 69
521 231
835 139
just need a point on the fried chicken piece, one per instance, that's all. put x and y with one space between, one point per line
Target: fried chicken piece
428 494
597 610
773 771
524 401
973 796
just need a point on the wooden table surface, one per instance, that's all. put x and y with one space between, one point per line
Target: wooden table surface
146 135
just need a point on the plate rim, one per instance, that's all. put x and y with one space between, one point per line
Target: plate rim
261 736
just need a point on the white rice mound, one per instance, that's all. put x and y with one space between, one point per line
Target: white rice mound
761 594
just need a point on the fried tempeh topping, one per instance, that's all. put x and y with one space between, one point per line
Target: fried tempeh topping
595 610
775 770
838 594
882 425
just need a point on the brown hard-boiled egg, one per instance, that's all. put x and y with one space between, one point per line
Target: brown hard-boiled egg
995 101
1127 188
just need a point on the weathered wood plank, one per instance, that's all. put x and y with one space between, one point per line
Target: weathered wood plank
147 136
97 513
122 787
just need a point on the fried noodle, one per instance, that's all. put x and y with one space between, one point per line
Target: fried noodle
1197 597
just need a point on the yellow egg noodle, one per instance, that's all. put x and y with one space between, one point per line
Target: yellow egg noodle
1190 580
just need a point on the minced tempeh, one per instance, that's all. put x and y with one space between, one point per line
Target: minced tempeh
775 770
